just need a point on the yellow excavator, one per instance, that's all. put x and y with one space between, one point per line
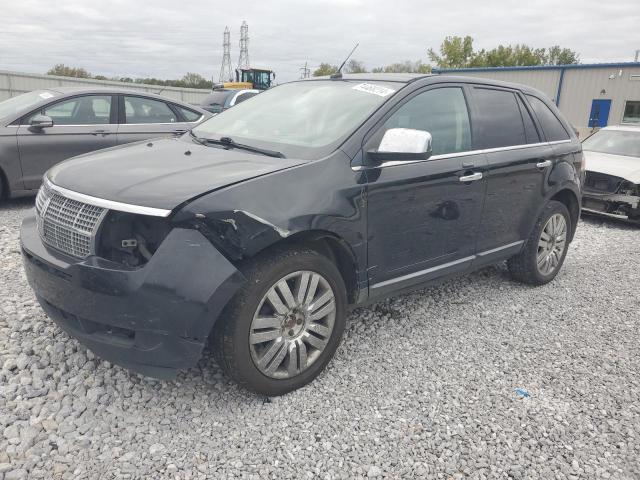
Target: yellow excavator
256 78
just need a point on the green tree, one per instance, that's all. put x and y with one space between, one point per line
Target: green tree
64 71
458 52
404 67
194 80
455 52
355 66
325 69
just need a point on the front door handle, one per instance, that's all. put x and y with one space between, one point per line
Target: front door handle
471 178
100 132
545 164
179 132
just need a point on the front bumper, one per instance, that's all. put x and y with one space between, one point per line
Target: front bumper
152 320
623 207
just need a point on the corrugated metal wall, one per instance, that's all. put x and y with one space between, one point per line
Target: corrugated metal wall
580 86
14 83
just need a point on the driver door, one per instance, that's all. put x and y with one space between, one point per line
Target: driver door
81 124
422 215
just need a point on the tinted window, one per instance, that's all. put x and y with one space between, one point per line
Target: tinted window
443 113
244 96
529 127
500 119
147 110
551 126
87 110
189 115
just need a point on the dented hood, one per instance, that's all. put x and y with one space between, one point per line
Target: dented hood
161 173
616 165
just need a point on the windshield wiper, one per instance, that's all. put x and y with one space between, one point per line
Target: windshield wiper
229 142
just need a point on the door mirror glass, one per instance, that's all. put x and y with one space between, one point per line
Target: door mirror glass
403 144
41 121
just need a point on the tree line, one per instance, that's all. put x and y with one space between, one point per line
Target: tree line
454 52
458 52
189 80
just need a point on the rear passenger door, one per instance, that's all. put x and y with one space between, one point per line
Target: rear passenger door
518 160
143 117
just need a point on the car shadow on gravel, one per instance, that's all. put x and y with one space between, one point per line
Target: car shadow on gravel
17 203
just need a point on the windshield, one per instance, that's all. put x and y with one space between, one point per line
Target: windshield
301 119
615 142
23 103
217 98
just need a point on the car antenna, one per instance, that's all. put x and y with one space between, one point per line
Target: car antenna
338 74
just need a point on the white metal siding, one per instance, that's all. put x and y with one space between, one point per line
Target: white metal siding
14 83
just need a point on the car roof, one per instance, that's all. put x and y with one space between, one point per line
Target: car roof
116 90
624 128
431 78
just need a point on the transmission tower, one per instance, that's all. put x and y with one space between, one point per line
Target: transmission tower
305 72
225 70
243 61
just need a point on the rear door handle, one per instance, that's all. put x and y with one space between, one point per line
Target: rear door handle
179 132
471 178
545 164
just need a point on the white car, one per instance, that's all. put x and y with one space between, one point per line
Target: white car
612 184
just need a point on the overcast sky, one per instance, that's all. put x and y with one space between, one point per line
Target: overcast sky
167 38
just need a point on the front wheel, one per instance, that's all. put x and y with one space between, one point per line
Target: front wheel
544 252
283 327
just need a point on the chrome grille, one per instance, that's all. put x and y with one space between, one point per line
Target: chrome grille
66 224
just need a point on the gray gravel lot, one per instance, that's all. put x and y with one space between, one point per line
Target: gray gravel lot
422 386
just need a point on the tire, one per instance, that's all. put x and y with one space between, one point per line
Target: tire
524 267
251 335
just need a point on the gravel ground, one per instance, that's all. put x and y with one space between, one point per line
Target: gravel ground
423 385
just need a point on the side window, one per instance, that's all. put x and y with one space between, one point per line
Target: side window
189 115
87 110
244 96
529 127
441 112
551 126
500 119
147 110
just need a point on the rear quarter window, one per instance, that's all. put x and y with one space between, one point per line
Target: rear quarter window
551 126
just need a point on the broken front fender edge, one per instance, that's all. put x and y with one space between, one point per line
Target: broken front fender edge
153 320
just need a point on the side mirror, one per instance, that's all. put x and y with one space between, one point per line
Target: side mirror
403 144
41 121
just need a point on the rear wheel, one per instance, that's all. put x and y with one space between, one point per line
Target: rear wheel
545 250
283 327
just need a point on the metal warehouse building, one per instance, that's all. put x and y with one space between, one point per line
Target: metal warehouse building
589 95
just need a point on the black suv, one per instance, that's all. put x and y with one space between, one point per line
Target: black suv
259 229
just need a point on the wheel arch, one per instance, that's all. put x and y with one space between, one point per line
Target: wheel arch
4 185
570 200
330 245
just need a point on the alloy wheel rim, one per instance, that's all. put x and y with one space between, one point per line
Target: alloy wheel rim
552 243
292 325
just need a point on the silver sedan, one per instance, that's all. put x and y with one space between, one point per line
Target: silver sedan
44 127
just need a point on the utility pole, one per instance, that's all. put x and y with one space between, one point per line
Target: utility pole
225 70
637 55
305 72
243 61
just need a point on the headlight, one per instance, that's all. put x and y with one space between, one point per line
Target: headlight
629 188
131 239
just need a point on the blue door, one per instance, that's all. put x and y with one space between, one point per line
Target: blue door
599 115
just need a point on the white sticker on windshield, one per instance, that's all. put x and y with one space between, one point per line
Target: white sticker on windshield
374 89
45 95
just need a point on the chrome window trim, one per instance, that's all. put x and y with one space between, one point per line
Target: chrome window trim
444 156
421 273
108 204
72 125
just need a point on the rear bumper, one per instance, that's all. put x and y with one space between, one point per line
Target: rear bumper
622 207
153 320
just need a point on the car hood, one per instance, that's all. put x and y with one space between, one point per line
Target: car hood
616 165
162 173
